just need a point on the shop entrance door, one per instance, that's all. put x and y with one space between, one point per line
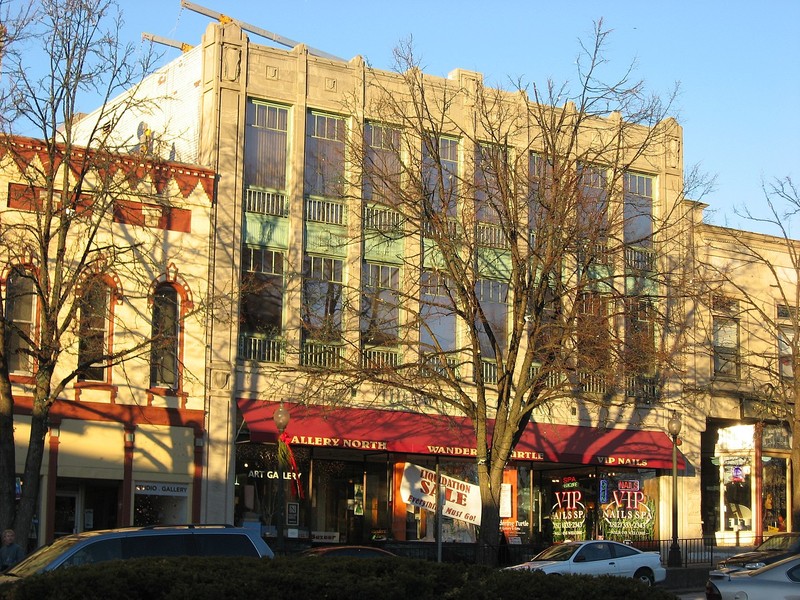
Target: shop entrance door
66 511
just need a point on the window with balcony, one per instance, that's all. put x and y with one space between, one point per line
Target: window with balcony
787 325
440 176
93 343
593 332
493 298
20 312
325 156
382 164
640 335
265 157
491 169
726 347
437 314
165 351
380 315
262 289
323 278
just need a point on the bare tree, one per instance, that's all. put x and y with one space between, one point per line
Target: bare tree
755 278
58 246
534 266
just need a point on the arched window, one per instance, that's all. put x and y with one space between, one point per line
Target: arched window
20 312
93 347
164 356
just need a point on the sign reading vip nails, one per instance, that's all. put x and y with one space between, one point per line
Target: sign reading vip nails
629 512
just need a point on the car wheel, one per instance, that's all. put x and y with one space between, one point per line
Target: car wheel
645 576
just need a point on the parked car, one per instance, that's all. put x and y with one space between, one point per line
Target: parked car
349 551
598 557
775 548
137 542
777 581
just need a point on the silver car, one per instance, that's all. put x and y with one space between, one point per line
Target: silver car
777 581
598 557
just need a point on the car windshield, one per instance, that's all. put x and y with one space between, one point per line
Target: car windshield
42 557
557 552
778 542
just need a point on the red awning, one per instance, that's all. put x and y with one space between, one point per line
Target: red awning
419 433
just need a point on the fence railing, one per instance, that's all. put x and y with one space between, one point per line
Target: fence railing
694 551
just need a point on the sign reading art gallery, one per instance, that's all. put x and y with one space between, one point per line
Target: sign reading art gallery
461 500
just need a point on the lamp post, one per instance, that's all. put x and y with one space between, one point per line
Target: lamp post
281 418
674 558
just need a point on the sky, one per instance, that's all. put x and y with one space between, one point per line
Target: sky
737 62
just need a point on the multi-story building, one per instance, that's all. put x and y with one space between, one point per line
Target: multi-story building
306 269
127 434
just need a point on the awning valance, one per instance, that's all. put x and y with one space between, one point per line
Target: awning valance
420 433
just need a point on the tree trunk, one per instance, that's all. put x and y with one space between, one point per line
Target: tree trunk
31 478
7 458
489 537
795 461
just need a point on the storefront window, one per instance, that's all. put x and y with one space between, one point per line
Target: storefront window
774 495
737 496
595 504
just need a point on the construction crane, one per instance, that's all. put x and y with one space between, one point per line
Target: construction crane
279 39
157 39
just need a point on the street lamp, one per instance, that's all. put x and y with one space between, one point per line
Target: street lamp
674 558
281 418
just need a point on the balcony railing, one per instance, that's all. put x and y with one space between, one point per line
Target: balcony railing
592 383
433 364
642 387
640 259
489 371
324 356
378 218
380 358
490 236
261 349
325 211
266 203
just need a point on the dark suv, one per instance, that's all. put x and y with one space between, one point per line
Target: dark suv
138 542
774 548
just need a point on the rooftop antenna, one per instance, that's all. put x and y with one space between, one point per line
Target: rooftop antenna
157 39
283 41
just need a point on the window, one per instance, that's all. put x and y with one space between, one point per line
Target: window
382 166
93 311
380 317
440 175
20 312
638 210
164 354
322 297
787 317
726 346
324 164
540 173
493 298
265 145
593 333
437 314
262 291
640 342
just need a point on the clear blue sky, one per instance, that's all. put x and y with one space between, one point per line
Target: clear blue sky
738 62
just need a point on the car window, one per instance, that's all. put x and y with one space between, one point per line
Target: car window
794 574
95 552
778 542
557 552
621 550
592 552
224 544
138 546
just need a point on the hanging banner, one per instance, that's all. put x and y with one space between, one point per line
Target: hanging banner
462 500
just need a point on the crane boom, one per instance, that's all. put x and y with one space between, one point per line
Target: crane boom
279 39
157 39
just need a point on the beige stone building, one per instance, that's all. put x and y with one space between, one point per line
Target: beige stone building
297 236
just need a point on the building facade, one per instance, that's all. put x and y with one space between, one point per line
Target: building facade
126 435
305 271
